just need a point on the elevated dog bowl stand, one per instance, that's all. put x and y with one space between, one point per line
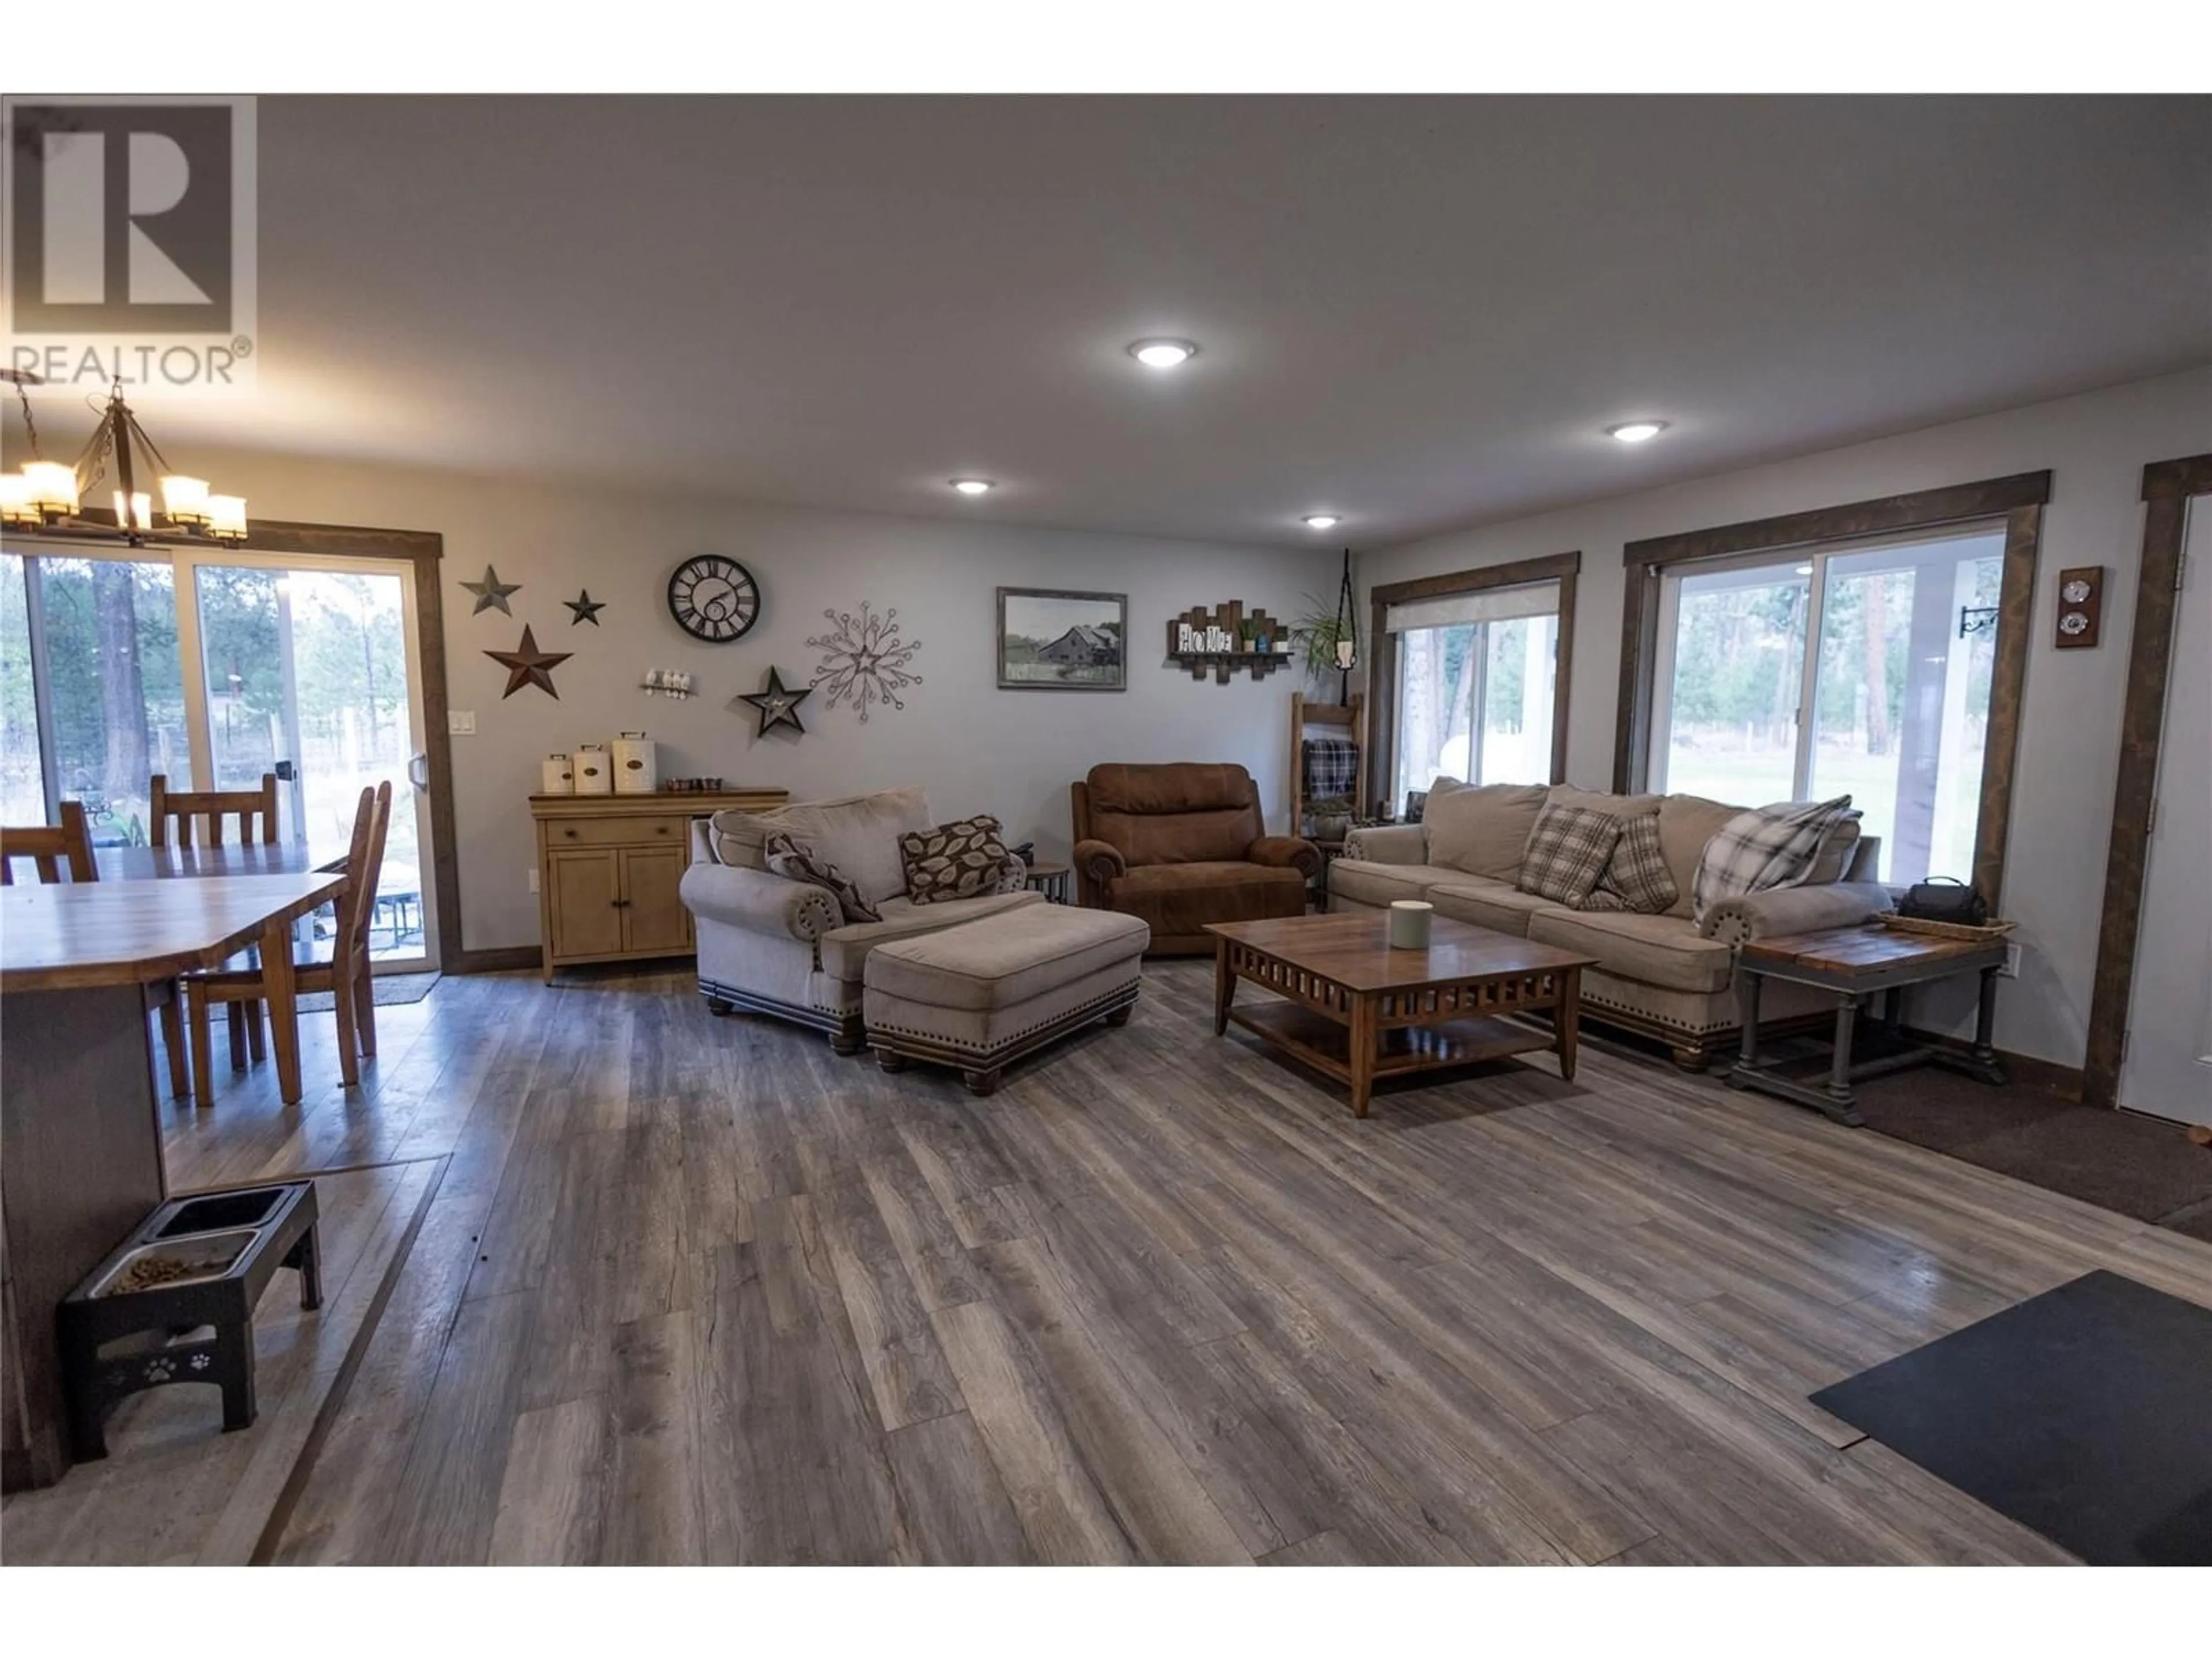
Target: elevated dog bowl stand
235 1241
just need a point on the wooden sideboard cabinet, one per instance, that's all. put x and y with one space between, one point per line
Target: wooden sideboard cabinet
608 867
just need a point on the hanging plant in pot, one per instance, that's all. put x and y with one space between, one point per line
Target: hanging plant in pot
1329 639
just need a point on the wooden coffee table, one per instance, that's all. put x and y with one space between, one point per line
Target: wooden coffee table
1356 1010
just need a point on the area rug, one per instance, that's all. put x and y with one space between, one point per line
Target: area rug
2142 1167
393 991
2081 1413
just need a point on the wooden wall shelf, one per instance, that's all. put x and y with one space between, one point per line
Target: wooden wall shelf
1228 618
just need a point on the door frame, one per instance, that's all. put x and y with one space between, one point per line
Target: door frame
2167 487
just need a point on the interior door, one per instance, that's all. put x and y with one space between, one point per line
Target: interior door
2167 1067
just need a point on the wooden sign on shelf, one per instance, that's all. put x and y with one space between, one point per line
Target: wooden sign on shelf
1226 639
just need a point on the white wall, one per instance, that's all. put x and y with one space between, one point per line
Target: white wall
2095 447
974 747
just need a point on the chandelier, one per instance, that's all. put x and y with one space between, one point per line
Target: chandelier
49 496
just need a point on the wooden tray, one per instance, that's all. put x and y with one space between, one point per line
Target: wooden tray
1946 929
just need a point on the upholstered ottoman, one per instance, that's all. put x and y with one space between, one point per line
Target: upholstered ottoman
987 992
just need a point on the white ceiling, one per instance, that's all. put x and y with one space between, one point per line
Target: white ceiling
1417 311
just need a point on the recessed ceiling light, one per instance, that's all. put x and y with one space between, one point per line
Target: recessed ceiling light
972 486
1322 520
1635 432
1163 354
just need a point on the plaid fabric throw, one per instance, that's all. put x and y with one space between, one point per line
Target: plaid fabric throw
1636 877
1773 846
1567 852
1331 767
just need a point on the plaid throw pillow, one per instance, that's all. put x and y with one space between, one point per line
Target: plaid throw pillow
786 855
1773 846
1567 852
965 859
1636 877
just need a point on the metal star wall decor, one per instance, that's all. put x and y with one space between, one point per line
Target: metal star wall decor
527 666
778 704
864 661
583 608
491 592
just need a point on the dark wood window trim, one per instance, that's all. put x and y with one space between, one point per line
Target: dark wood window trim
2166 488
1383 653
424 549
2019 499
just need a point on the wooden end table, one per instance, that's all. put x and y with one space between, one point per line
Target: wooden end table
1355 1010
1051 879
1854 962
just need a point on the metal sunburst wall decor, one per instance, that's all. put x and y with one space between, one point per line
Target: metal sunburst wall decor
864 661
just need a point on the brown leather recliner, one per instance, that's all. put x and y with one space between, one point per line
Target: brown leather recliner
1183 845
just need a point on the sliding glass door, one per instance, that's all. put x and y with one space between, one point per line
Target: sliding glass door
305 668
1861 668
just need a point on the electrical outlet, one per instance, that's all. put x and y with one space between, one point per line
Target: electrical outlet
2011 969
460 723
533 878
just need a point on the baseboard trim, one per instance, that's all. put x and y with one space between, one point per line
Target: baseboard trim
504 960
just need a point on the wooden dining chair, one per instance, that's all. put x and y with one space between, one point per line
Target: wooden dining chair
53 847
345 976
49 846
213 804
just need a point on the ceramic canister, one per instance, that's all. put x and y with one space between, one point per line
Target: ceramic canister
557 776
1409 923
593 775
634 769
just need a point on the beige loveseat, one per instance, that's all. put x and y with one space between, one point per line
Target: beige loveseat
783 947
1664 976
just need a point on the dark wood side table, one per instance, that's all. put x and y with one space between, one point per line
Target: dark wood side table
1854 962
1051 879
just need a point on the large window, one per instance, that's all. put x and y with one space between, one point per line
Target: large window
1860 667
1475 677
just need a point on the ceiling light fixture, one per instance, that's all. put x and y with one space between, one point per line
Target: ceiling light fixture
1635 432
1163 354
49 497
972 486
1322 520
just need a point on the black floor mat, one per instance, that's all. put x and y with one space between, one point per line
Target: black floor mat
2085 1413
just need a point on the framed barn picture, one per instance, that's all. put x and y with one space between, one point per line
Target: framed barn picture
1050 640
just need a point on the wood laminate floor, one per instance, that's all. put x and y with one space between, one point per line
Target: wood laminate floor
690 1290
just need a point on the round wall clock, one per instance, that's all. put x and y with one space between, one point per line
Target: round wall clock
714 598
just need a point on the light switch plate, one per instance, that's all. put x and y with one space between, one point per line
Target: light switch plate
460 723
2011 969
533 878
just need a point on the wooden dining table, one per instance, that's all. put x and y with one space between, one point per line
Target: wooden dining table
81 1157
172 863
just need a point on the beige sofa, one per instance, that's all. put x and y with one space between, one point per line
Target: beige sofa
782 947
1663 976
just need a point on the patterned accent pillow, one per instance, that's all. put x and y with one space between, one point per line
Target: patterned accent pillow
965 859
786 855
1567 852
1773 846
1636 877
